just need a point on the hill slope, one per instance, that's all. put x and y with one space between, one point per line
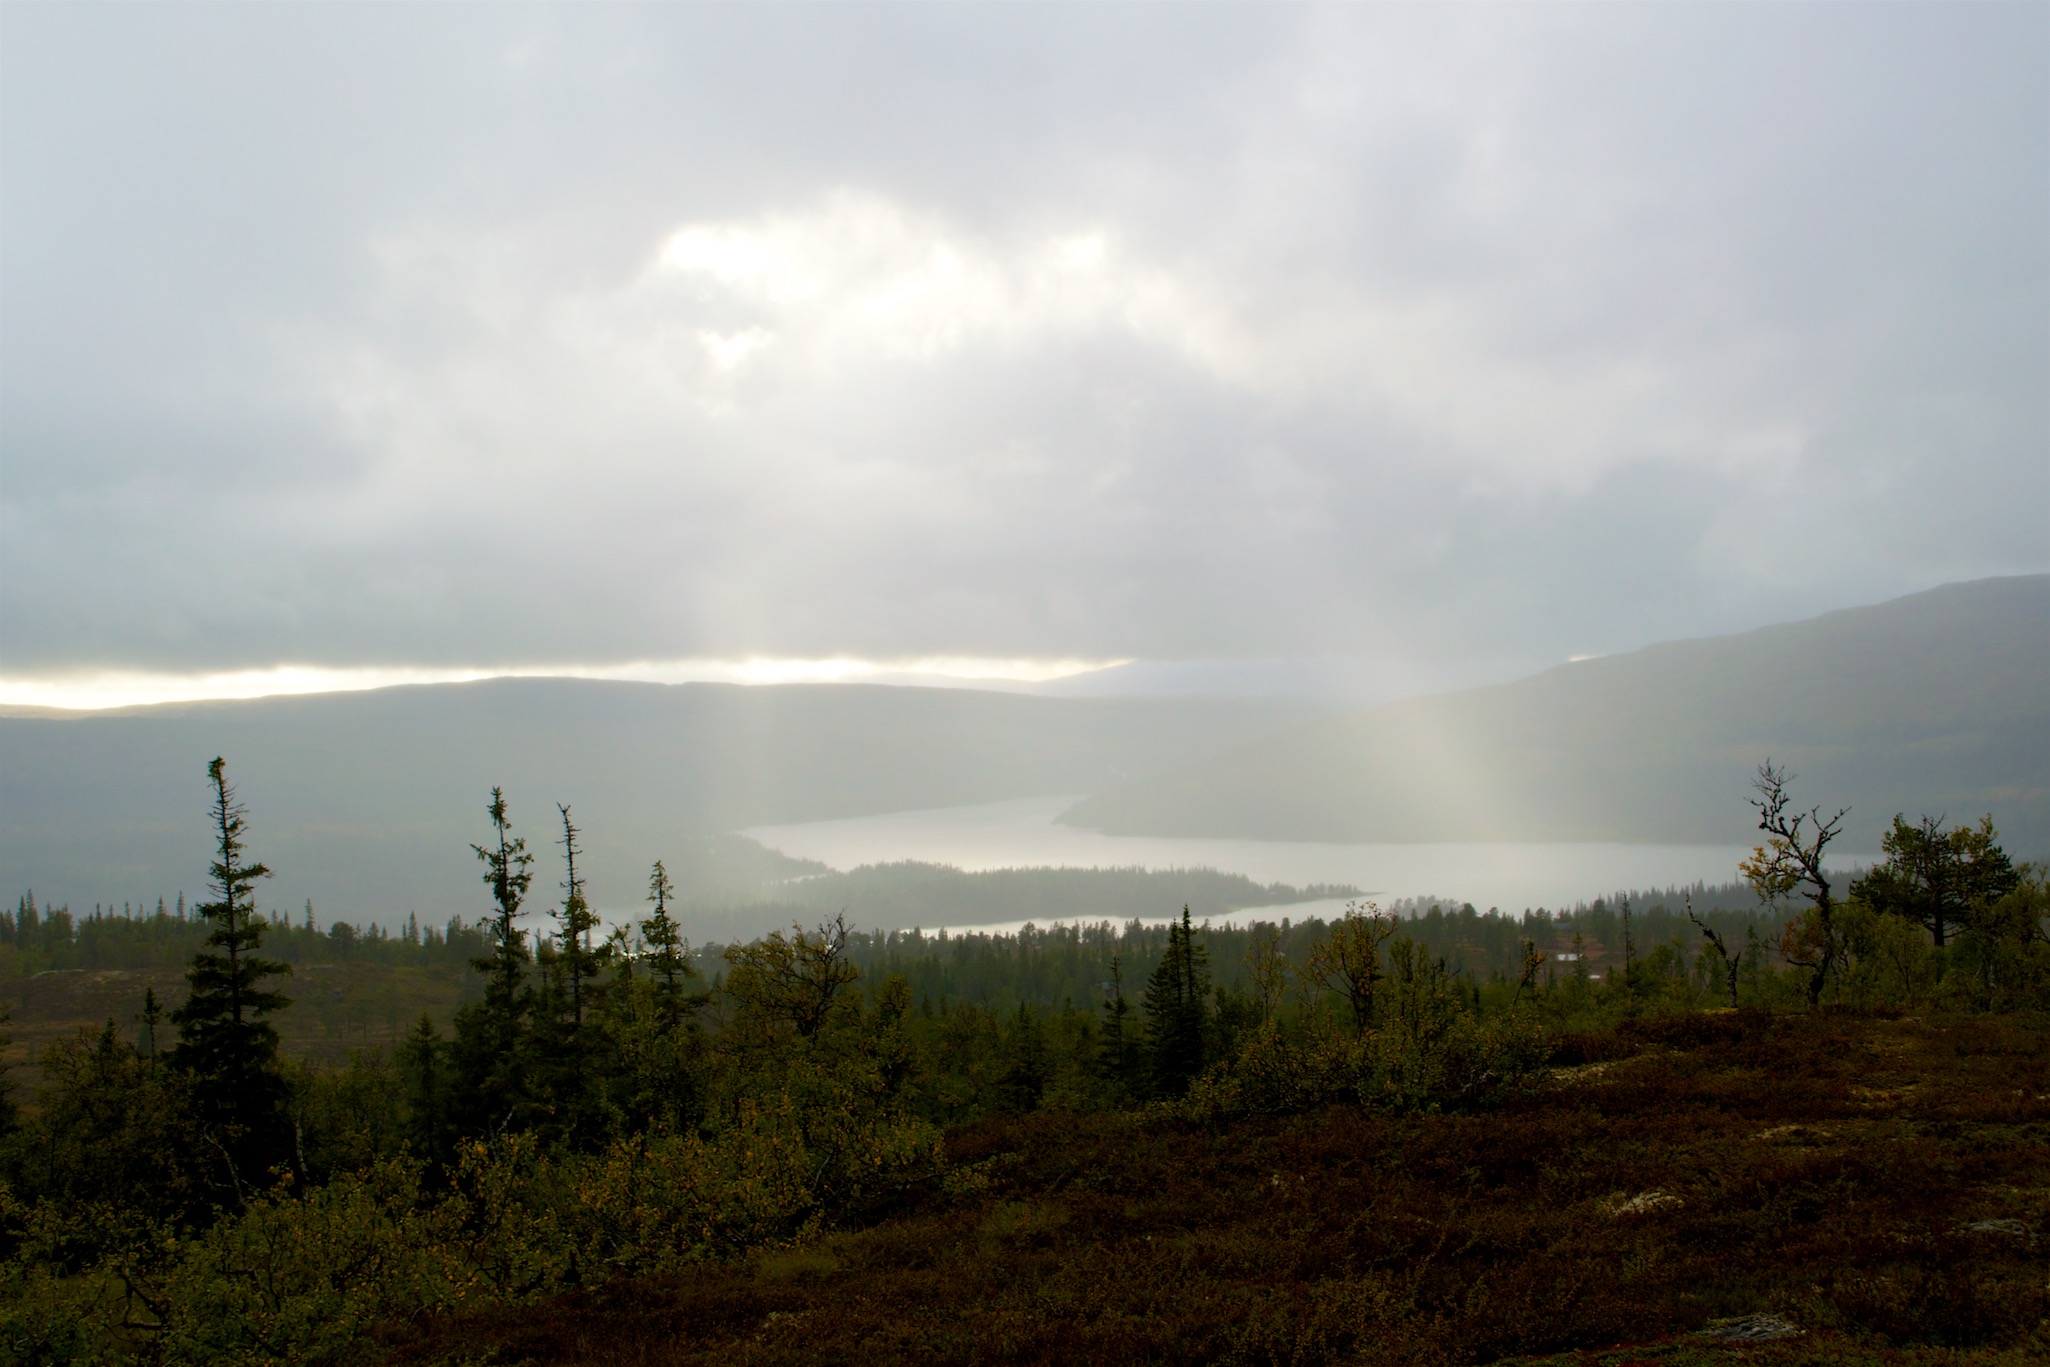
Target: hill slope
367 802
1793 1154
1938 702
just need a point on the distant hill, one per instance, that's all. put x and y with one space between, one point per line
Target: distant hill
1934 703
366 802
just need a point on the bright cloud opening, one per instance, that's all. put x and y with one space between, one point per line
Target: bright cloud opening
101 690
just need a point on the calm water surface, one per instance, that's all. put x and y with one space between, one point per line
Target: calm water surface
1022 834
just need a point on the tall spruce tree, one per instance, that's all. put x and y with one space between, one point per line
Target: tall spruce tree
422 1059
152 1012
1117 1056
667 955
1027 1068
1177 1010
579 959
508 872
563 1035
490 1044
226 1041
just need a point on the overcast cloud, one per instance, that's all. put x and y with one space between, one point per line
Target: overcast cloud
1463 337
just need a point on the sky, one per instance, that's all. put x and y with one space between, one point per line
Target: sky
1399 346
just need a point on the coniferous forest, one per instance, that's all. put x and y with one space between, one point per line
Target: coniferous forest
1805 1114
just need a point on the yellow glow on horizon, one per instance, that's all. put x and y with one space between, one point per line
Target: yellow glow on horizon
103 689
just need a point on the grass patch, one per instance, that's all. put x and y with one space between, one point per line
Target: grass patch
795 1264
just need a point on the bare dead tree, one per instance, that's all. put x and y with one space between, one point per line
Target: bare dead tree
1790 863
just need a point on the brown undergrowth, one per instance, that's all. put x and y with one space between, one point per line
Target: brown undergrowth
1825 1170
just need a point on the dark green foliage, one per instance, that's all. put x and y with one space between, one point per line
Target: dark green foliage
1026 1067
1987 945
489 1058
118 1145
152 1016
890 1042
667 955
562 1048
1177 1011
1944 881
908 893
508 872
792 982
580 961
425 1074
1119 1059
353 1118
652 1031
227 1045
1049 965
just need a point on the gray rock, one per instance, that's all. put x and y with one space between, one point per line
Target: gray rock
2013 1228
1751 1329
1644 1203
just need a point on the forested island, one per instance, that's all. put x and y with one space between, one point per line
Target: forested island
1412 1133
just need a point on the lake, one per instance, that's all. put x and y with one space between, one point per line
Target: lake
1022 834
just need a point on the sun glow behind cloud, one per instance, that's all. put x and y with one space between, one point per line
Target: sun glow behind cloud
857 274
1445 337
98 691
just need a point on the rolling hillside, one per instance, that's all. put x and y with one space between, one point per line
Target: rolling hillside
367 802
1936 703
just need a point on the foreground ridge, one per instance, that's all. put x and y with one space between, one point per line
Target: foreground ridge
1843 1180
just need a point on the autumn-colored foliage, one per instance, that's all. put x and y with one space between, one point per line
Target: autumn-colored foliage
1879 1183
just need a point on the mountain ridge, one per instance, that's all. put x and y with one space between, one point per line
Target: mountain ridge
1933 702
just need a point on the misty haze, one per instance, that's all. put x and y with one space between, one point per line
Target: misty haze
690 683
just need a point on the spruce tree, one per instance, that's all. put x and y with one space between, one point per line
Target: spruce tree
490 1045
667 955
422 1064
565 1043
1176 1010
226 1041
1026 1068
579 958
507 870
1118 1051
152 1012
